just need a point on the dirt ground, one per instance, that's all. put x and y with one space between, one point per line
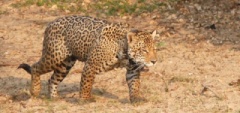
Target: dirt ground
198 70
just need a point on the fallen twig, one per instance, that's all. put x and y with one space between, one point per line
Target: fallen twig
206 88
235 83
165 83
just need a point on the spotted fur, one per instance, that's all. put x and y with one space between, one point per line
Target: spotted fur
100 44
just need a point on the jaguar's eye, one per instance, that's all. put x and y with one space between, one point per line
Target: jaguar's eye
145 51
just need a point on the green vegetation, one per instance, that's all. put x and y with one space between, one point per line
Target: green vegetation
181 79
161 44
108 7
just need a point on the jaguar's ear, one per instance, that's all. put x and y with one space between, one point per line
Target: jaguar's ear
154 34
130 35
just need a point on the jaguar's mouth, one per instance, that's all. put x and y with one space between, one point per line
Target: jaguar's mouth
149 64
145 69
139 66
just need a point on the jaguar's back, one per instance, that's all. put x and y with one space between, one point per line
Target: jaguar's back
72 36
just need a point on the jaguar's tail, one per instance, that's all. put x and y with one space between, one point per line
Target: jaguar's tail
26 67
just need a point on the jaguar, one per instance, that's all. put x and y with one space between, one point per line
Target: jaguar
101 44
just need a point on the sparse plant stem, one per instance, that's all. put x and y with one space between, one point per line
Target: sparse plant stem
206 88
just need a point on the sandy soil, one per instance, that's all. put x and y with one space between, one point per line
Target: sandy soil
196 71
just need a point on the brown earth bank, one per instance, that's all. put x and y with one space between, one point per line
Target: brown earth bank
198 70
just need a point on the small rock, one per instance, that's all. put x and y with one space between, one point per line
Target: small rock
131 2
87 1
54 7
154 17
198 7
124 17
172 16
180 20
152 22
67 11
10 101
233 12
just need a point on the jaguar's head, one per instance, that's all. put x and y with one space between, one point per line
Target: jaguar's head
141 47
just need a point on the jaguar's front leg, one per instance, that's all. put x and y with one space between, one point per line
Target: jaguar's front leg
133 81
86 84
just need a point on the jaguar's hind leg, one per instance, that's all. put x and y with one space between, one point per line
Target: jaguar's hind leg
60 72
37 69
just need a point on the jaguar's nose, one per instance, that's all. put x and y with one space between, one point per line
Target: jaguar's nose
153 61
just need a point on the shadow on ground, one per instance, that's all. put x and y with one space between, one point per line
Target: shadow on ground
17 89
